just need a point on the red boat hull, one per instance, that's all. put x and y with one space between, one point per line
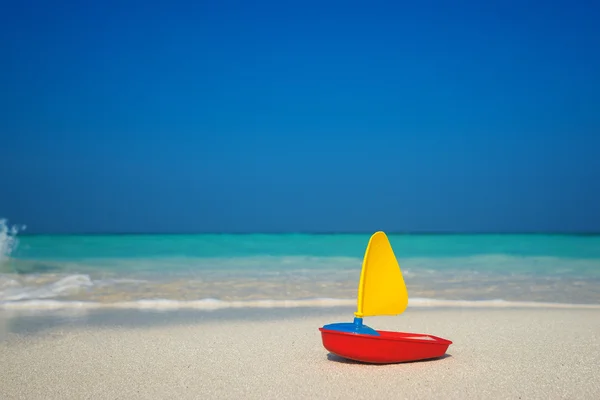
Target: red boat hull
389 347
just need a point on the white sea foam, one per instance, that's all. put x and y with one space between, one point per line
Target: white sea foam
8 239
39 286
243 278
13 291
215 304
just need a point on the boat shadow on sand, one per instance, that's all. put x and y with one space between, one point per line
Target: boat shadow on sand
342 360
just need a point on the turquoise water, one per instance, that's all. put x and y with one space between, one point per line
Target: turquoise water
316 245
275 269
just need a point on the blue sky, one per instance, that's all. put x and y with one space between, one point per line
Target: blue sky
310 116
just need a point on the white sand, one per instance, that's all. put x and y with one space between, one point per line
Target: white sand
497 354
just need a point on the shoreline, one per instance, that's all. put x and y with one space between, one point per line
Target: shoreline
211 304
27 321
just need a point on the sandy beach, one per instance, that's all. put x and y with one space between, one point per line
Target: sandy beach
496 354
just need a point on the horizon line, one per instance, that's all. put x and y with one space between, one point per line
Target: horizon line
424 233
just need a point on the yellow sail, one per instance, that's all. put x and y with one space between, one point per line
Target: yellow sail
381 290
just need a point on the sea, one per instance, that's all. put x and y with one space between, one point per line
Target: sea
216 271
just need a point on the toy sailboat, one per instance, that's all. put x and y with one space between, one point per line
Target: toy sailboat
381 291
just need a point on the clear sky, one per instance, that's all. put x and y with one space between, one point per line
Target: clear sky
175 116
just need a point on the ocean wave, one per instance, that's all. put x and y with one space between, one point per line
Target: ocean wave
568 281
8 239
269 265
216 304
14 291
